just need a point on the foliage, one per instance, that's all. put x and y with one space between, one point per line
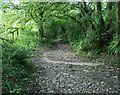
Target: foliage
114 46
85 42
87 27
16 78
28 38
15 54
115 62
51 28
18 36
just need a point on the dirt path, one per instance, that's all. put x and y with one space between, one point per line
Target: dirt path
60 70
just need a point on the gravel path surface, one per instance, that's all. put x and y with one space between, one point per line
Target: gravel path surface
69 78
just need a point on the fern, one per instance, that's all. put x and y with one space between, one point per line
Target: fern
114 47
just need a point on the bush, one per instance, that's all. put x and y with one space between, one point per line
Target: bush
86 42
114 46
15 54
28 39
15 78
17 72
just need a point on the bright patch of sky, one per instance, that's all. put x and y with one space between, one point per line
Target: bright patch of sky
13 1
93 0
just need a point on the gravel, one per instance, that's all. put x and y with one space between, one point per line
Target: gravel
70 78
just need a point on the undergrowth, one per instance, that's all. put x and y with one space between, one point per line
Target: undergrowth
17 68
16 78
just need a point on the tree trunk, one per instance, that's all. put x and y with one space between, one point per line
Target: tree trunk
109 6
101 26
118 18
41 30
109 31
86 12
118 13
13 36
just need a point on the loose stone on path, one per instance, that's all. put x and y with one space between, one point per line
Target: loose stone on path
56 75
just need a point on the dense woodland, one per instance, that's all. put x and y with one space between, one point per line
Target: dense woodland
90 28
